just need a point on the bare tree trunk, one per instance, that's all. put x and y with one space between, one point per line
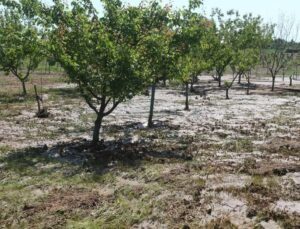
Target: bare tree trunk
192 87
187 97
97 127
240 78
248 88
150 121
220 81
291 80
37 99
195 79
24 87
227 93
273 83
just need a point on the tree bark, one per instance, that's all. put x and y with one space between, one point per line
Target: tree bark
227 93
240 78
273 83
291 81
150 121
220 80
187 97
97 127
24 87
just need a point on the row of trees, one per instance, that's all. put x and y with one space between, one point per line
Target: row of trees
115 55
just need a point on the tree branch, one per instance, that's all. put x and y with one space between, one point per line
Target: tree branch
112 108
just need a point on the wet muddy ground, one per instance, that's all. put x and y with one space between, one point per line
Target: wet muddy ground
228 163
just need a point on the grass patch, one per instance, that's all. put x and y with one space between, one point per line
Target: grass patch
5 149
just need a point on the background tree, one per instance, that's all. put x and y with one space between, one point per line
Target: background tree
191 45
221 43
247 40
98 54
157 54
22 46
275 55
192 64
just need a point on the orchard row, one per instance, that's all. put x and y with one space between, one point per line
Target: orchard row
117 53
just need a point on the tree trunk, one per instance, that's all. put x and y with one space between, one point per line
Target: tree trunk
97 127
240 78
227 93
220 80
248 88
37 99
192 87
150 121
273 83
291 81
195 79
186 97
24 88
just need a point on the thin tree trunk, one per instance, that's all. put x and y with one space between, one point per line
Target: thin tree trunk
24 87
187 97
220 80
37 99
227 93
192 86
97 127
240 78
248 88
273 83
150 121
291 81
195 79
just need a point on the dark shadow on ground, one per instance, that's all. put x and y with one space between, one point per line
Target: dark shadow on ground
96 159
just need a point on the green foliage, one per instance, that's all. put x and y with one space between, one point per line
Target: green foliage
22 46
192 44
221 36
246 44
156 50
104 63
236 41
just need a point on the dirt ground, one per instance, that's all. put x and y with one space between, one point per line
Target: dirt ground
223 164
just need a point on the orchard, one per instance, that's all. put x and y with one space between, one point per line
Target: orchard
147 116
